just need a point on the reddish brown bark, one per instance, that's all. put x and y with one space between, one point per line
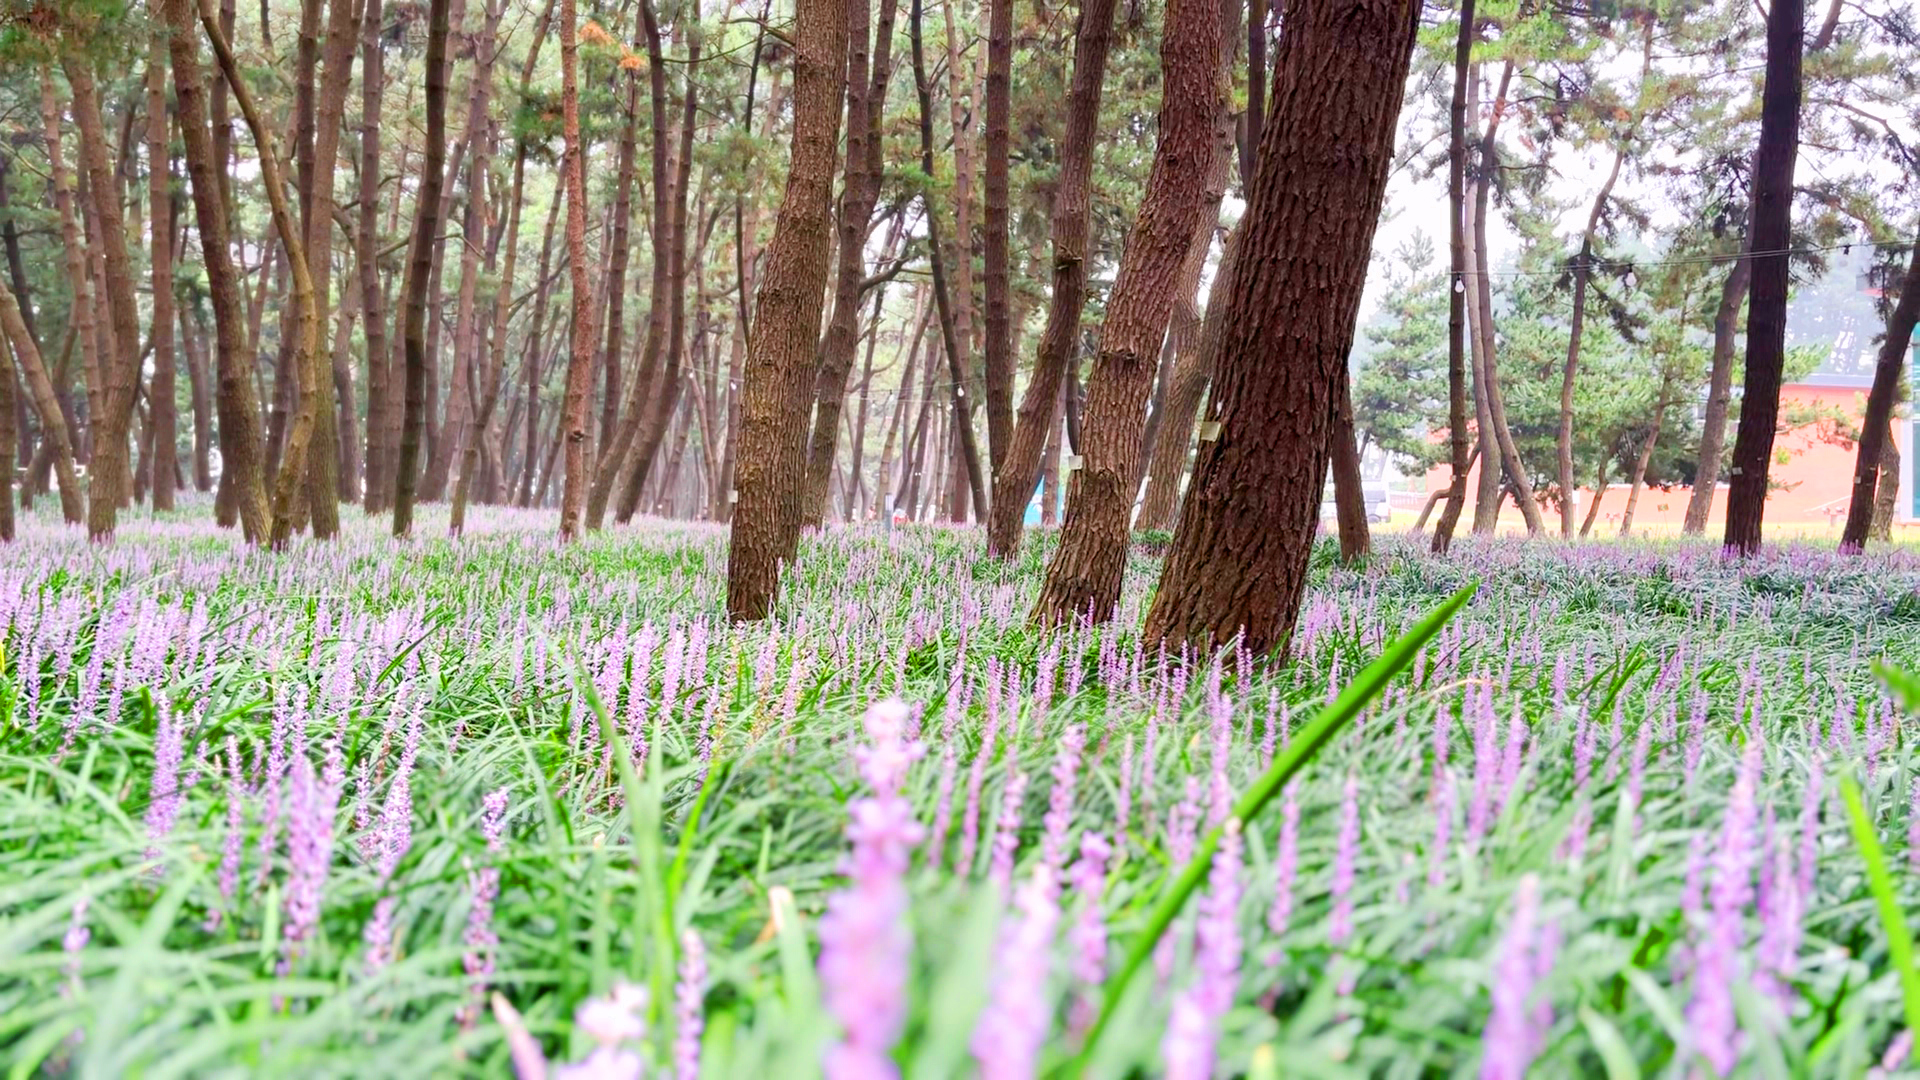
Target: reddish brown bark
1874 433
378 493
420 268
1083 577
162 414
573 417
999 345
1459 456
1238 563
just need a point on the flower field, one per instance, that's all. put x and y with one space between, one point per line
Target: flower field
459 808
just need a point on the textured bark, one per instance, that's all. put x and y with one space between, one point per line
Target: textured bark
1061 337
53 425
573 417
1192 370
860 190
27 454
1874 429
1349 496
494 375
161 414
1254 126
1456 318
1713 424
1083 577
1767 313
467 336
111 472
74 248
771 469
536 343
666 397
620 426
420 268
378 493
200 392
1238 564
1888 496
236 403
999 344
306 331
966 454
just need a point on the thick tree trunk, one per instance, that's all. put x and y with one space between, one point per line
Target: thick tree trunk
860 190
378 493
111 471
953 331
420 268
1084 575
1888 496
999 345
771 470
1255 123
573 416
1875 428
1460 457
236 403
1060 339
161 412
53 425
1185 390
306 330
1238 563
1767 314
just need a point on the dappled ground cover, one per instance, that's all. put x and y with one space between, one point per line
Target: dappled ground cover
304 814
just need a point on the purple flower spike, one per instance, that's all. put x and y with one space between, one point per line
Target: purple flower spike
1710 1013
1516 1028
1010 1031
689 1007
1340 921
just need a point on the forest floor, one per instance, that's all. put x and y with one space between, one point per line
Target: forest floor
302 814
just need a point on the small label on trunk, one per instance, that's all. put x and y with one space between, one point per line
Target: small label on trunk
1075 461
1209 430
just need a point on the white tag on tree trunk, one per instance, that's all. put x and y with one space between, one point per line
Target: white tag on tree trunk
1075 461
733 497
1209 430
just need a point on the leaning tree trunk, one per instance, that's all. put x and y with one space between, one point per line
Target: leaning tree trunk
162 415
1460 453
53 424
1875 428
1639 479
866 103
1013 479
1767 313
236 404
1083 577
770 472
1238 564
288 484
420 263
1582 271
111 470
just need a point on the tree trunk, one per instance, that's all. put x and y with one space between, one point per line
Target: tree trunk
378 493
1050 471
193 343
1459 456
771 470
1349 494
306 333
235 402
952 332
79 280
1599 496
7 434
857 495
1187 387
884 484
1642 459
1083 577
111 471
999 345
1889 493
420 264
1238 563
1713 425
620 426
1255 123
1061 338
573 419
1582 270
1483 281
860 190
494 376
667 397
530 453
1767 314
161 411
1875 429
53 425
329 483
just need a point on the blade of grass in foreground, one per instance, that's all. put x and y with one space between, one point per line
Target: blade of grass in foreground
1366 686
1899 939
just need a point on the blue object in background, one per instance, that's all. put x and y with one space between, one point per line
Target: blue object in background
1033 511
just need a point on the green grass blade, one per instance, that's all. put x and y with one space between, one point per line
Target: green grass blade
1880 881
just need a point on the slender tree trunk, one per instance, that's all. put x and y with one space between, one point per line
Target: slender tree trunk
378 493
1641 461
1255 122
1582 270
111 471
236 403
293 465
420 262
1349 495
1767 314
495 374
860 190
1083 578
1060 339
161 412
621 426
573 420
999 350
1599 496
193 343
1875 428
1050 472
668 395
884 484
1713 424
855 512
1238 563
7 436
951 331
530 455
79 279
1187 386
771 471
53 425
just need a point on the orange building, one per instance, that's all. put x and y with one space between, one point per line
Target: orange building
1811 474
